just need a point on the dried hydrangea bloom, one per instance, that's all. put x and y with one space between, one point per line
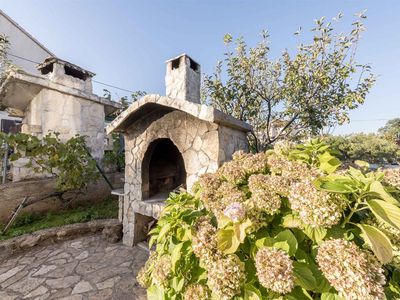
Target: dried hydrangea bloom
291 170
314 207
162 270
226 194
255 163
143 276
209 184
275 270
197 292
225 276
392 177
353 272
235 211
239 155
251 163
264 196
204 241
233 172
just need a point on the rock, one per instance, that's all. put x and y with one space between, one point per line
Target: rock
30 241
41 290
62 283
82 287
113 233
10 273
83 255
44 270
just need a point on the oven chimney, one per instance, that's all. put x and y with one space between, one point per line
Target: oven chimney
182 79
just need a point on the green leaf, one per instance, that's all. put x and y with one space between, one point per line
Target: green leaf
330 296
316 234
378 188
223 221
227 241
334 186
163 232
304 276
282 245
288 237
178 283
155 293
290 221
297 294
385 212
264 242
176 255
378 241
251 293
328 163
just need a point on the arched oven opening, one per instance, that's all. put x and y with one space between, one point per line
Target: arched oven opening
163 170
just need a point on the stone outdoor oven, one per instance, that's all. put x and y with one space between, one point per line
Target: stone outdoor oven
169 142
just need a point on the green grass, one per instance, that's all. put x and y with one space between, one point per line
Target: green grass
30 222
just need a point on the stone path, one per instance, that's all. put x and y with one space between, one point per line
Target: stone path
84 268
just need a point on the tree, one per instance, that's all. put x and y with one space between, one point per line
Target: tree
297 94
368 147
391 130
68 162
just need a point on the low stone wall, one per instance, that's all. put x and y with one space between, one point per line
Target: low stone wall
12 193
111 230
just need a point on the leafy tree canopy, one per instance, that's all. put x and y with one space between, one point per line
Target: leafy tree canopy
371 147
299 93
391 130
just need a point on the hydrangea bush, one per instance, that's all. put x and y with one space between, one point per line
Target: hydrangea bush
285 224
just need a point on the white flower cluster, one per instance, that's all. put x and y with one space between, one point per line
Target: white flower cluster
353 272
204 241
265 193
162 270
226 276
275 270
197 292
314 207
392 177
143 277
235 211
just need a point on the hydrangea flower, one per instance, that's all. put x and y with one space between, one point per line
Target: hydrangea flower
314 207
353 272
392 177
162 270
204 241
143 277
197 292
226 276
235 211
264 193
232 172
275 270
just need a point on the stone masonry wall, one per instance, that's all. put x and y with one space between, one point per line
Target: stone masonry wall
196 140
68 115
230 141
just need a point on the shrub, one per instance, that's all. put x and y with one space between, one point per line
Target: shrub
285 224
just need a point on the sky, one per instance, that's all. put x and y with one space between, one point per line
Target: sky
126 42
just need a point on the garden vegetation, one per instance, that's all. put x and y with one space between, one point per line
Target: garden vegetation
283 224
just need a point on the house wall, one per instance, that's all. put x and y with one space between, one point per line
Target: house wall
23 45
53 111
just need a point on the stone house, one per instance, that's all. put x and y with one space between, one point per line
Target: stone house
60 100
169 142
